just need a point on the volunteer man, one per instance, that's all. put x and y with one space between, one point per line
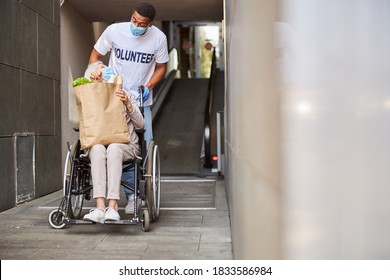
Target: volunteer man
139 53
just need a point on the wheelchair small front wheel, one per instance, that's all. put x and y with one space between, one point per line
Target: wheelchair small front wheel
145 220
57 219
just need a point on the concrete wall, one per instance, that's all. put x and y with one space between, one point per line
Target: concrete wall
30 116
78 37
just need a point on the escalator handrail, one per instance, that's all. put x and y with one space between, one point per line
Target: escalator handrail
161 94
207 114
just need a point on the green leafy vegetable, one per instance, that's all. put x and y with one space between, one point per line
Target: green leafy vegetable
80 81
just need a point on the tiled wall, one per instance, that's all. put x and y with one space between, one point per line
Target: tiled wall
30 107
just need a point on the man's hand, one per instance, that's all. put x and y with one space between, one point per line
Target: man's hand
145 94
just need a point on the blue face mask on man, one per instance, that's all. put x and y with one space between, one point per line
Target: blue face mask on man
137 31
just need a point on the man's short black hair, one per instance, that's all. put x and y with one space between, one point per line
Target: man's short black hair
146 10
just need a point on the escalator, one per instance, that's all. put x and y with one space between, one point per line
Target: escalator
178 130
184 123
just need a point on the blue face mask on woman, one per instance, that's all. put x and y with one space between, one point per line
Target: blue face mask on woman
137 31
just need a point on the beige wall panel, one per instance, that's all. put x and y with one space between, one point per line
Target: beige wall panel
252 129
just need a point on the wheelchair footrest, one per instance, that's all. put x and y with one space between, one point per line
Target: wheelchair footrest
120 222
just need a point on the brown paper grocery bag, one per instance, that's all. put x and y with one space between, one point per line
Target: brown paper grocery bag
102 115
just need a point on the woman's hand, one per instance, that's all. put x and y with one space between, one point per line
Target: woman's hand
123 97
97 74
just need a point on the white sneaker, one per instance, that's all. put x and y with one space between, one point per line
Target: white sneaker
111 214
129 209
95 215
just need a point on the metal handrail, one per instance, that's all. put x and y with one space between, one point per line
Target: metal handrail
207 114
161 94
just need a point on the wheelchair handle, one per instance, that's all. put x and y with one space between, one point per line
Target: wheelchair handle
141 90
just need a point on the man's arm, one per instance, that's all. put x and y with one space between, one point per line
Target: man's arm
95 56
157 76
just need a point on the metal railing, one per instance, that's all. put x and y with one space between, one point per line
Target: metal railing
166 84
207 114
162 93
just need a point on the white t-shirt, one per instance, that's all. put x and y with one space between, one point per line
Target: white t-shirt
133 57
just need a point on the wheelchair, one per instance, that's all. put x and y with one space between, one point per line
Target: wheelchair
77 186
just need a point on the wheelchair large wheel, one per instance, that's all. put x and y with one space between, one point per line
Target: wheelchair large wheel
148 180
76 201
153 186
156 184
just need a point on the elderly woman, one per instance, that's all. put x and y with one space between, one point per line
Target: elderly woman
106 161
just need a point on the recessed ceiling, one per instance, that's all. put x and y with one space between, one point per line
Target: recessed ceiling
167 10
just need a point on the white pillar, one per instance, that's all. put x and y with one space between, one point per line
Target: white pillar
335 63
252 141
